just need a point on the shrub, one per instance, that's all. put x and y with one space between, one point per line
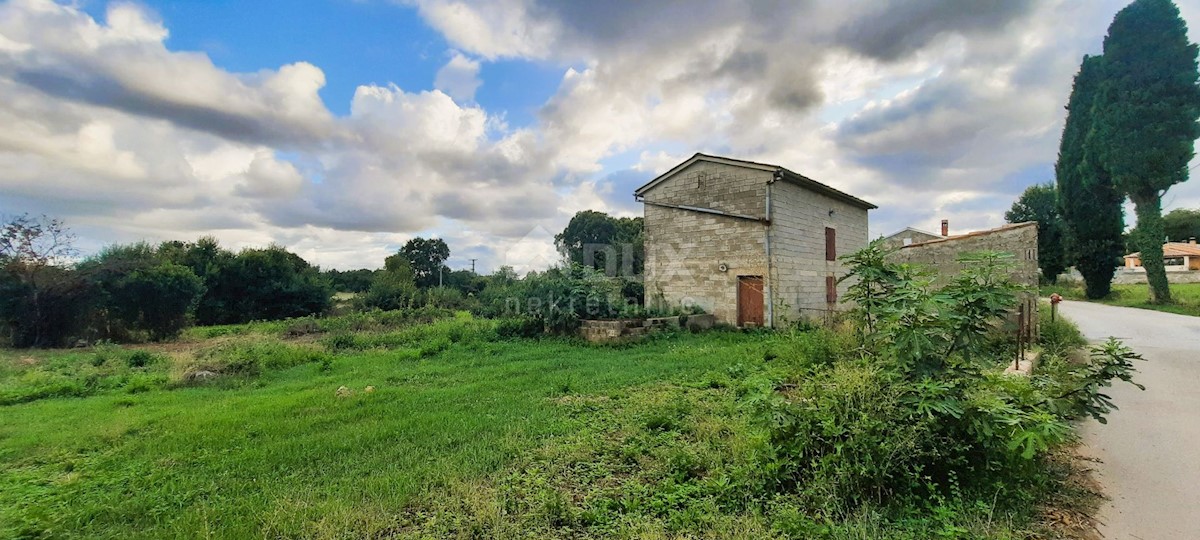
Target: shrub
922 411
339 342
1060 335
140 358
848 436
560 297
518 327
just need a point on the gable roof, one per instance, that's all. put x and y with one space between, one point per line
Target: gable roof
912 229
780 173
1173 249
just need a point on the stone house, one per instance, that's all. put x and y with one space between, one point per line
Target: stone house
909 236
751 243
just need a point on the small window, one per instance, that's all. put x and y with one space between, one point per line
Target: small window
908 241
831 295
830 244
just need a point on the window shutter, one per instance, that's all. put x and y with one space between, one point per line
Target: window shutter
830 290
830 244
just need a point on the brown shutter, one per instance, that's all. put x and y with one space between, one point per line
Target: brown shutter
830 289
830 244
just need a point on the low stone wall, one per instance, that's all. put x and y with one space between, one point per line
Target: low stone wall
1125 276
629 329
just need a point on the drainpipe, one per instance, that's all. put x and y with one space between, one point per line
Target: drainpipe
770 281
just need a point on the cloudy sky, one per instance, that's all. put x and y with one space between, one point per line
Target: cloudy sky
342 128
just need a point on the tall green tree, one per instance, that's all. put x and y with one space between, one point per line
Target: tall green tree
426 257
598 240
1089 203
1040 203
1146 121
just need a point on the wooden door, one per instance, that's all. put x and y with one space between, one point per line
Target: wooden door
750 301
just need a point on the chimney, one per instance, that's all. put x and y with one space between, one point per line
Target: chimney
1192 240
945 227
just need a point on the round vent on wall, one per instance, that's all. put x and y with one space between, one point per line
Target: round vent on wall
723 267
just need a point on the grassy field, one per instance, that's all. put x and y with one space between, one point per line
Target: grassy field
466 435
1185 296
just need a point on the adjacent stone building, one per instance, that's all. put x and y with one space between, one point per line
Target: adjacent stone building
1019 240
907 237
751 243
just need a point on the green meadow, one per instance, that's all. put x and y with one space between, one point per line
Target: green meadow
367 426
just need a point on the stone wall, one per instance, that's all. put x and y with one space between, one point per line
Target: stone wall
1019 240
1125 276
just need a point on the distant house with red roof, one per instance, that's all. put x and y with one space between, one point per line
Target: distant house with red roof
1178 256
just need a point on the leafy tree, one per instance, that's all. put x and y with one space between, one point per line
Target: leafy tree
1089 203
1146 118
157 299
139 288
426 256
394 287
261 284
595 239
1040 203
354 281
1182 224
40 300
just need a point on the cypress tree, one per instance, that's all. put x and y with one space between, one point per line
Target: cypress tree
1089 203
1146 118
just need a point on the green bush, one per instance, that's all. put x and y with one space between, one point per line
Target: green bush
519 327
140 358
914 407
1058 335
560 297
849 437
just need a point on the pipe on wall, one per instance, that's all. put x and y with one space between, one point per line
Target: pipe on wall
770 281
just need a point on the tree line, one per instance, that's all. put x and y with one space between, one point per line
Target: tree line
142 291
1130 133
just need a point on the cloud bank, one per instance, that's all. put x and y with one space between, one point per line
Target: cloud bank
929 108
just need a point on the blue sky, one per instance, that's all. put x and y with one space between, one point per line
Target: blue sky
353 42
342 128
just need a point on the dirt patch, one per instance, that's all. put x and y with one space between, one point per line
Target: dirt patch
1072 515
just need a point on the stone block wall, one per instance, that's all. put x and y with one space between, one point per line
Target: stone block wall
685 249
798 266
1019 240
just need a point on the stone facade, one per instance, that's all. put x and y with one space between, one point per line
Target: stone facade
708 222
1020 240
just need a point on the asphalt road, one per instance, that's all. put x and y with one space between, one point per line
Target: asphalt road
1149 451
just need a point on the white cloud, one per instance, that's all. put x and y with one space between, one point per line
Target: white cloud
495 29
459 78
928 109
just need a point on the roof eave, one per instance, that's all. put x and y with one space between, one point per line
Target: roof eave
823 189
